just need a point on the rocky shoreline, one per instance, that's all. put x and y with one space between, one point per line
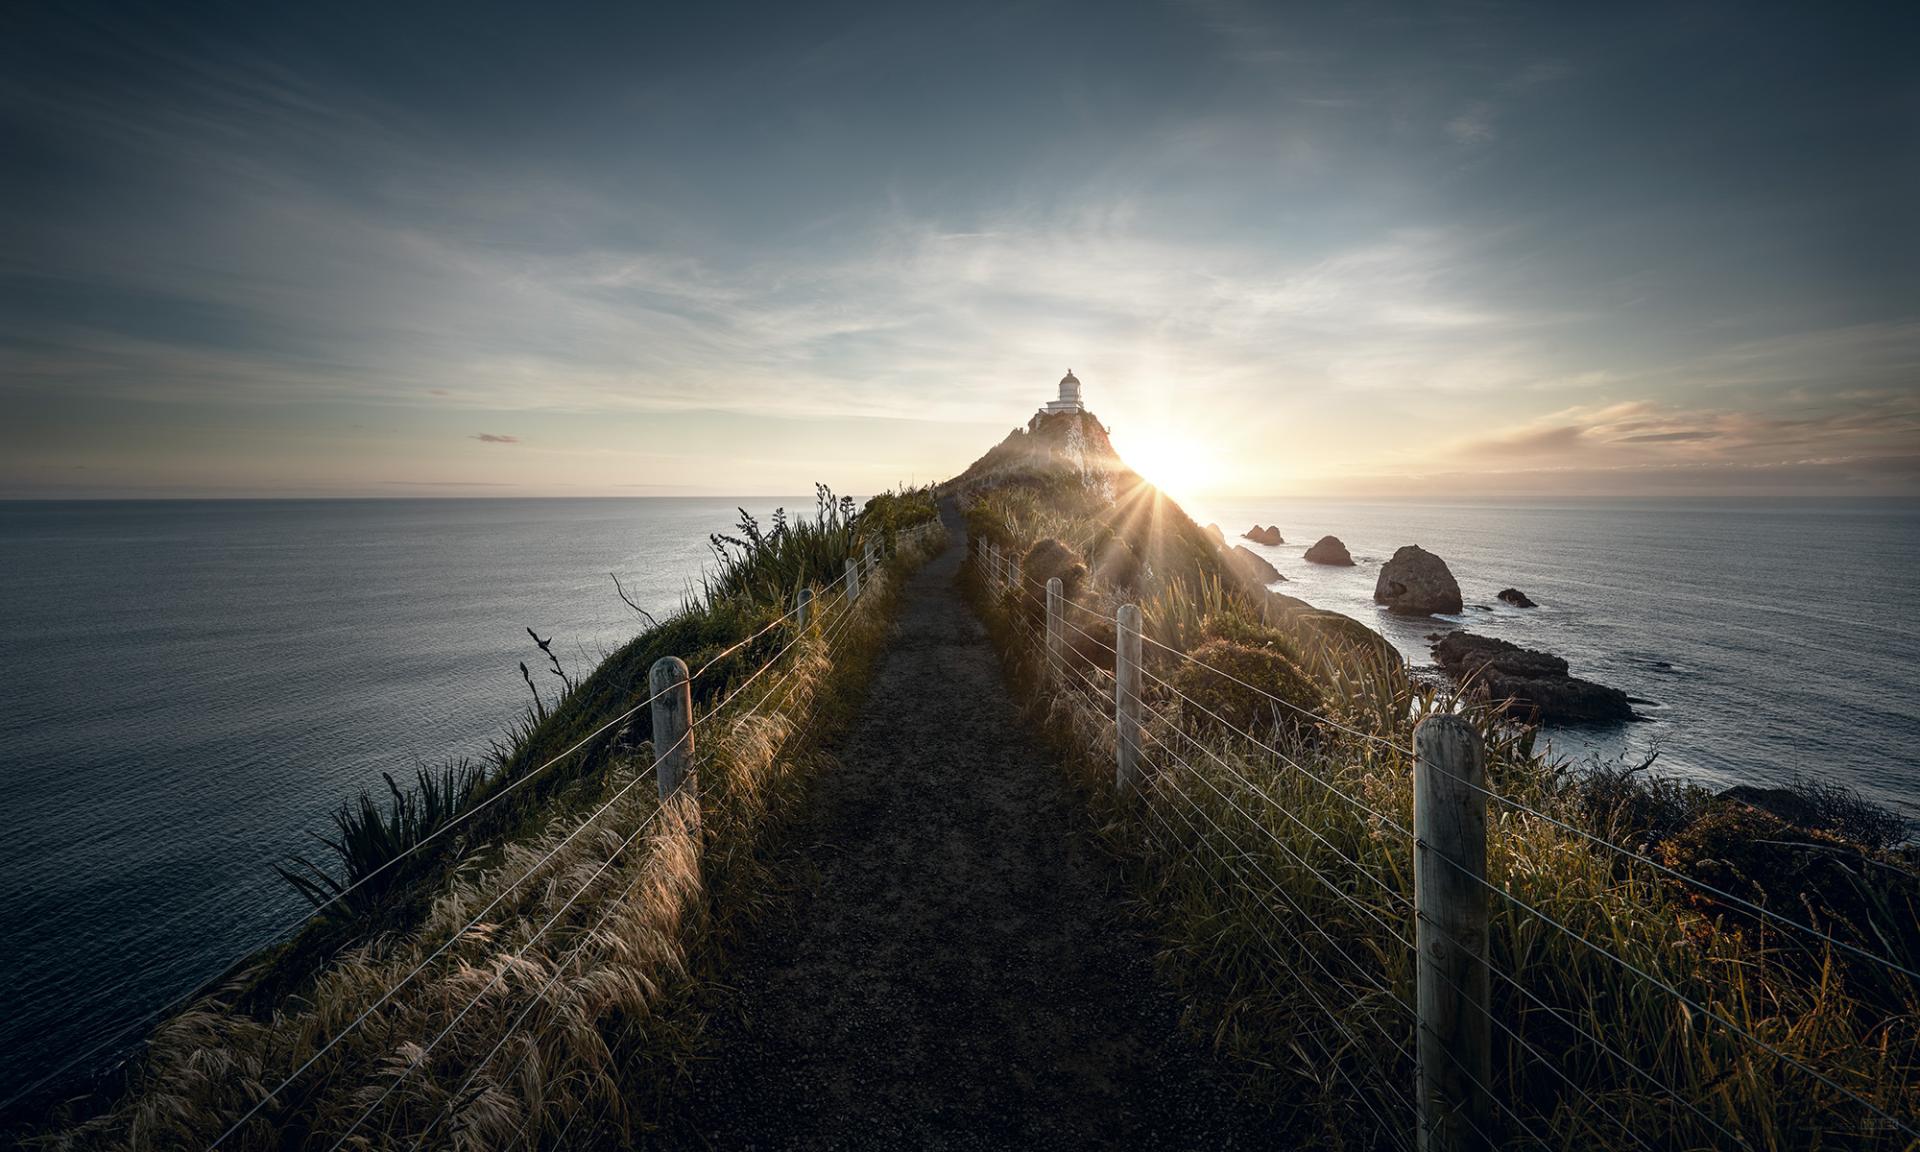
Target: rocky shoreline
1532 685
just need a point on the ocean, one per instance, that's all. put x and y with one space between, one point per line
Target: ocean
1765 642
194 687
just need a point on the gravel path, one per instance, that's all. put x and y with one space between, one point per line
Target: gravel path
956 970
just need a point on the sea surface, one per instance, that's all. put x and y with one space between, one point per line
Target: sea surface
194 687
1762 642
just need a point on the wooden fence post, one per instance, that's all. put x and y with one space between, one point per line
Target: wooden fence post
803 606
1126 697
1450 934
673 730
1056 618
853 580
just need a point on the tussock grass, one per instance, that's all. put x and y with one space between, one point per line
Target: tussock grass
543 986
1276 873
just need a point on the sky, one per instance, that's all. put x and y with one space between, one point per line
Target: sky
1380 251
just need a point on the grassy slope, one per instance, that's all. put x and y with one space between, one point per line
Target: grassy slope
593 919
1282 886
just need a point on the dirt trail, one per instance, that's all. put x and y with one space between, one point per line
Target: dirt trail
956 971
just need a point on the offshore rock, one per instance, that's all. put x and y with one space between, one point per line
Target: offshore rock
1329 550
1516 598
1532 685
1417 583
1270 535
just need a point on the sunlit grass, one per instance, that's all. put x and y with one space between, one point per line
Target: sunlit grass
1278 875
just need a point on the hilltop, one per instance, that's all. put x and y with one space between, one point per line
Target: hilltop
1062 472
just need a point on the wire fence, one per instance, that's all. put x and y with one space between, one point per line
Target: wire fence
1437 989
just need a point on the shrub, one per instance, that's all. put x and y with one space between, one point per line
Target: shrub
1240 630
1625 803
1239 692
1045 560
1833 807
1115 563
903 508
1806 874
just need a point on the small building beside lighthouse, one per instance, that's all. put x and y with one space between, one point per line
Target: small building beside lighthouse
1069 400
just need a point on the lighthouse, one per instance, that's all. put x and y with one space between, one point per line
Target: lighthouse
1069 400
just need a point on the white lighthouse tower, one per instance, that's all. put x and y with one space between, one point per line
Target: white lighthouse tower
1069 400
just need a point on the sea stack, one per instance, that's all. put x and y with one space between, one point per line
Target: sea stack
1417 583
1269 535
1329 550
1516 598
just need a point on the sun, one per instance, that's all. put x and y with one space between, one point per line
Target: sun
1179 467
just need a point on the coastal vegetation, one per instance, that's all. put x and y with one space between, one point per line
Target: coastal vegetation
501 950
1670 968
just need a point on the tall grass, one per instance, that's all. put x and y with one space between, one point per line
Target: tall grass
1277 875
378 853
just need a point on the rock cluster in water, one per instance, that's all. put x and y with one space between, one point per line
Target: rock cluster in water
1269 535
1535 685
1417 583
1516 598
1329 550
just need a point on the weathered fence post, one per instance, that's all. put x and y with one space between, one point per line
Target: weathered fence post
1450 933
1056 618
853 579
803 606
1126 697
673 730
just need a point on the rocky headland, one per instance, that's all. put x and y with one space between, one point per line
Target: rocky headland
1253 565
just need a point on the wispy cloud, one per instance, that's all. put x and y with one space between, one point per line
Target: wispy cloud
1473 126
491 438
